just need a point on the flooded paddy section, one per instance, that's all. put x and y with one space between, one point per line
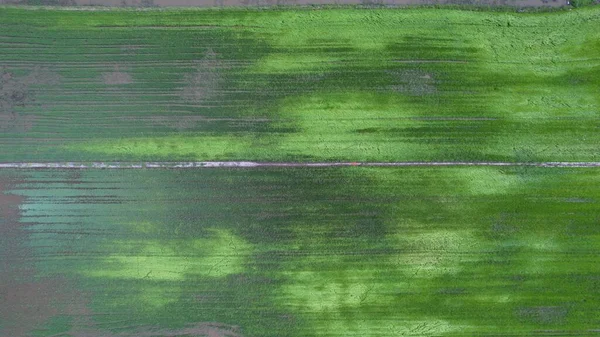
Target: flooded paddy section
335 251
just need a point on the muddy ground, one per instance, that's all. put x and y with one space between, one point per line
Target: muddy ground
18 91
220 3
27 301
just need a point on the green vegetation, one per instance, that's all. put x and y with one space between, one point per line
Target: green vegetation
581 3
311 252
300 85
321 252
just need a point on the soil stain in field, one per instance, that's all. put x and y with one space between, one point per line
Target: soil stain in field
203 82
17 92
543 315
26 300
203 329
413 82
179 123
116 77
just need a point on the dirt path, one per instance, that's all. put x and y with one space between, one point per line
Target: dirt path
250 164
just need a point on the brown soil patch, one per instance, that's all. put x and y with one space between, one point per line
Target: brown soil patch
13 92
42 2
414 82
41 76
204 81
543 315
204 329
130 49
14 122
27 301
10 231
116 77
177 122
19 91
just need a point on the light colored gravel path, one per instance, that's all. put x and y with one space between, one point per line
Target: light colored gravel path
250 164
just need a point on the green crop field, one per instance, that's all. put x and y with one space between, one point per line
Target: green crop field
299 85
304 252
299 251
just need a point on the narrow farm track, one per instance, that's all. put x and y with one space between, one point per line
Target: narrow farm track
250 164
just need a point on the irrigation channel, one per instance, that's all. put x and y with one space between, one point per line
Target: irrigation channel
251 164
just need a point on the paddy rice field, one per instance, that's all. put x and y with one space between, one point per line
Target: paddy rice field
299 250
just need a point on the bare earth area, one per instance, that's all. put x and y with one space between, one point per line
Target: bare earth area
116 77
17 91
27 301
224 3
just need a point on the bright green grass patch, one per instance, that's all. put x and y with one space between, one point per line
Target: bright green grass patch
284 63
339 125
218 255
206 148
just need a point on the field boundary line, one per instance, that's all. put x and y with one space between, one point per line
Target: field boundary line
253 164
